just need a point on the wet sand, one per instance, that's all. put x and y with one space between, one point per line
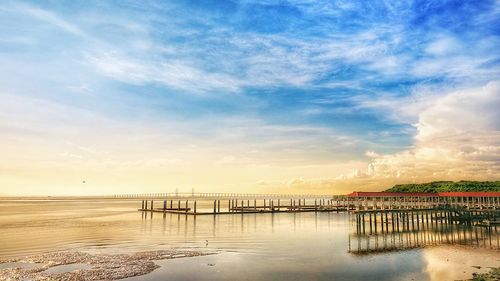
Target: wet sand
70 265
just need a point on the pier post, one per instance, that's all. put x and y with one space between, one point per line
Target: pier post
218 206
392 220
358 225
215 206
397 220
142 206
171 204
386 222
370 222
408 221
187 205
195 207
151 205
363 221
145 204
412 221
164 205
178 205
418 221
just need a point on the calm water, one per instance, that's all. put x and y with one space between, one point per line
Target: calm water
285 246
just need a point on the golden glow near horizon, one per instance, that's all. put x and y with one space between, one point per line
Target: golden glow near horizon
452 143
146 106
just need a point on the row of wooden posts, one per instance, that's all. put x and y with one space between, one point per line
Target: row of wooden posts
239 206
412 220
429 228
322 204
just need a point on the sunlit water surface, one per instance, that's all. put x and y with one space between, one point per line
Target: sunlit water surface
284 246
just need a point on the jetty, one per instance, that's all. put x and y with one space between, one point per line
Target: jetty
222 203
477 206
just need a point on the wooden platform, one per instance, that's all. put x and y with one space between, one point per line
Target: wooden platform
248 210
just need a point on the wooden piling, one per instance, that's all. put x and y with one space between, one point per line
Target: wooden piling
392 220
371 222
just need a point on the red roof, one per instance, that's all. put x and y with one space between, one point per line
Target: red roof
469 194
391 194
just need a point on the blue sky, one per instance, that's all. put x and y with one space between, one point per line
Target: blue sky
300 82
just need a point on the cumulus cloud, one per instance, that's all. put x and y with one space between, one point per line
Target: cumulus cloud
458 137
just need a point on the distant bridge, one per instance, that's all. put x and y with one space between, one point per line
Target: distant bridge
214 196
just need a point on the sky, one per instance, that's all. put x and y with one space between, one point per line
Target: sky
316 97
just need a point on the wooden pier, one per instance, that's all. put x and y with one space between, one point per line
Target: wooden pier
357 202
241 206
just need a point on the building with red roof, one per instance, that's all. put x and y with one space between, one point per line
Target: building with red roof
422 200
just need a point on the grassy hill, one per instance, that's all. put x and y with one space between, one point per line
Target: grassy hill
445 186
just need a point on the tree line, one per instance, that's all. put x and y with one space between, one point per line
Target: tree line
447 186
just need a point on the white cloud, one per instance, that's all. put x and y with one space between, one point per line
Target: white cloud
45 16
444 46
457 137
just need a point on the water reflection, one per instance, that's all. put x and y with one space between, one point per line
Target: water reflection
379 232
282 246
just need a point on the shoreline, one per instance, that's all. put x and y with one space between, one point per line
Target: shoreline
76 265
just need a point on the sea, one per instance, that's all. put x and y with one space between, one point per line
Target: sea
267 246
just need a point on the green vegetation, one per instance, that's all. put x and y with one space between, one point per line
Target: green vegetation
493 274
446 186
